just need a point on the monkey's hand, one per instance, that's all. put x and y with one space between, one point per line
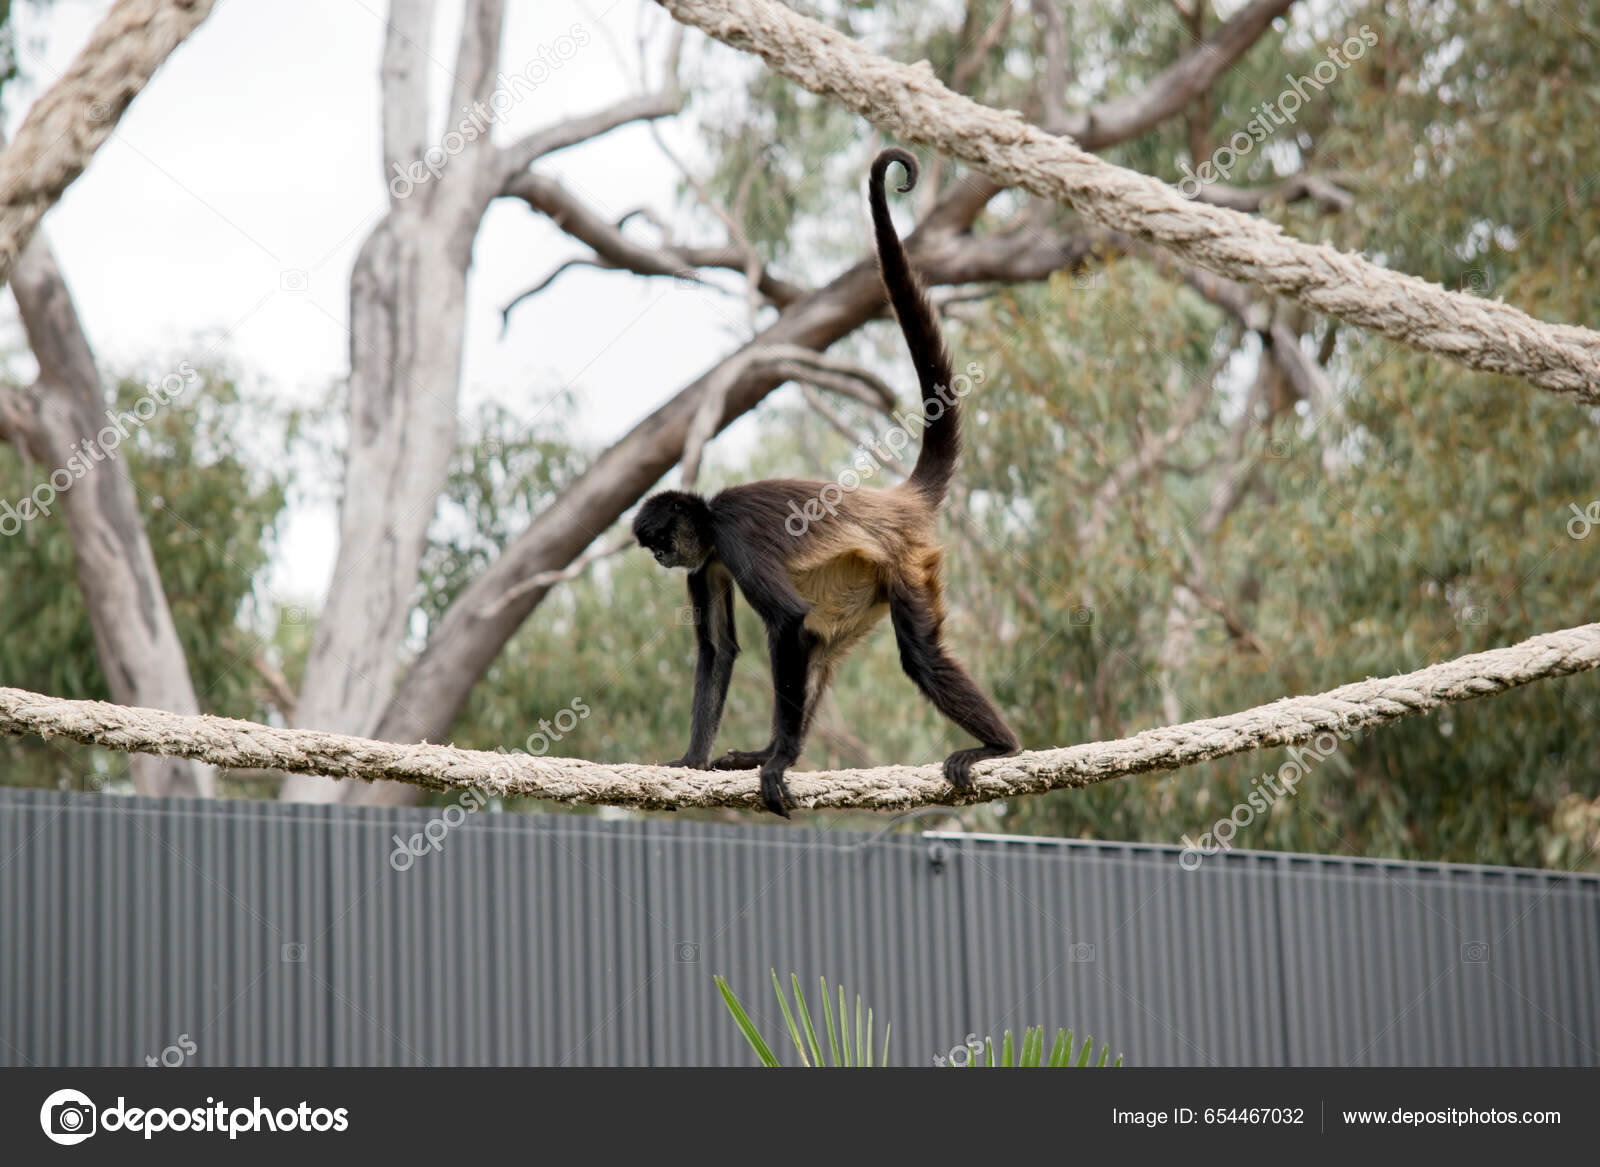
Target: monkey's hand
742 759
775 791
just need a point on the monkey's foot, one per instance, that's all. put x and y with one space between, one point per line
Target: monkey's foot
688 763
775 792
742 759
958 766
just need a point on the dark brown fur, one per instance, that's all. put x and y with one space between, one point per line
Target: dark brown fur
822 588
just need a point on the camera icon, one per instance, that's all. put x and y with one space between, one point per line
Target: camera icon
1475 952
293 280
1082 617
687 280
688 615
1474 614
687 952
1278 449
96 112
1475 281
490 447
294 615
294 953
67 1117
1081 953
1086 280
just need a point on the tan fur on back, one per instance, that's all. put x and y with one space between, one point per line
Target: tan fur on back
847 561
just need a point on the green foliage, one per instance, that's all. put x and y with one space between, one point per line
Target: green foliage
503 474
1064 1053
1031 1055
210 512
809 1050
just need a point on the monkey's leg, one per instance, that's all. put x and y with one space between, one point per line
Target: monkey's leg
819 675
917 628
765 583
790 644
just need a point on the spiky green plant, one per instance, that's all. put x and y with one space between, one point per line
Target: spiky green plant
1031 1053
809 1049
1064 1052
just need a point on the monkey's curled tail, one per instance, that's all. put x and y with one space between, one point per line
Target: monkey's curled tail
941 437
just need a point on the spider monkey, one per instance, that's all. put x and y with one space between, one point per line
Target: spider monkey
873 553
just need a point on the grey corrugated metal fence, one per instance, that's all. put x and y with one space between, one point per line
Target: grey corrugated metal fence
236 933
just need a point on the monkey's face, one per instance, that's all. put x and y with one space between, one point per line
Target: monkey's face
674 526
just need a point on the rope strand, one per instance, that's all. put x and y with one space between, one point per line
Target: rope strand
1290 721
911 104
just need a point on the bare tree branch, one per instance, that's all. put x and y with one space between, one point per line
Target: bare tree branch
665 102
74 117
1170 90
545 580
738 241
561 269
615 249
969 64
1327 191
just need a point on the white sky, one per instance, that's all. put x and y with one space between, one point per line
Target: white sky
255 152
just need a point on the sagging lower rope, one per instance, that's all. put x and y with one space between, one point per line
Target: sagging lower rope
1290 721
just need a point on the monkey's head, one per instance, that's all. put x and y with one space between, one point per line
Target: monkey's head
675 527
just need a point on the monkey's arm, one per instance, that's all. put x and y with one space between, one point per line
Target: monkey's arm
711 598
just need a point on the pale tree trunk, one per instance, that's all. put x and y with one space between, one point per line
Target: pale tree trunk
58 420
407 305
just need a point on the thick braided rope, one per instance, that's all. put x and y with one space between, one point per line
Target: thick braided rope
1291 721
77 114
910 103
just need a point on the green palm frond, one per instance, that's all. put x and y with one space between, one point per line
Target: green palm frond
804 1034
1030 1053
1064 1051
